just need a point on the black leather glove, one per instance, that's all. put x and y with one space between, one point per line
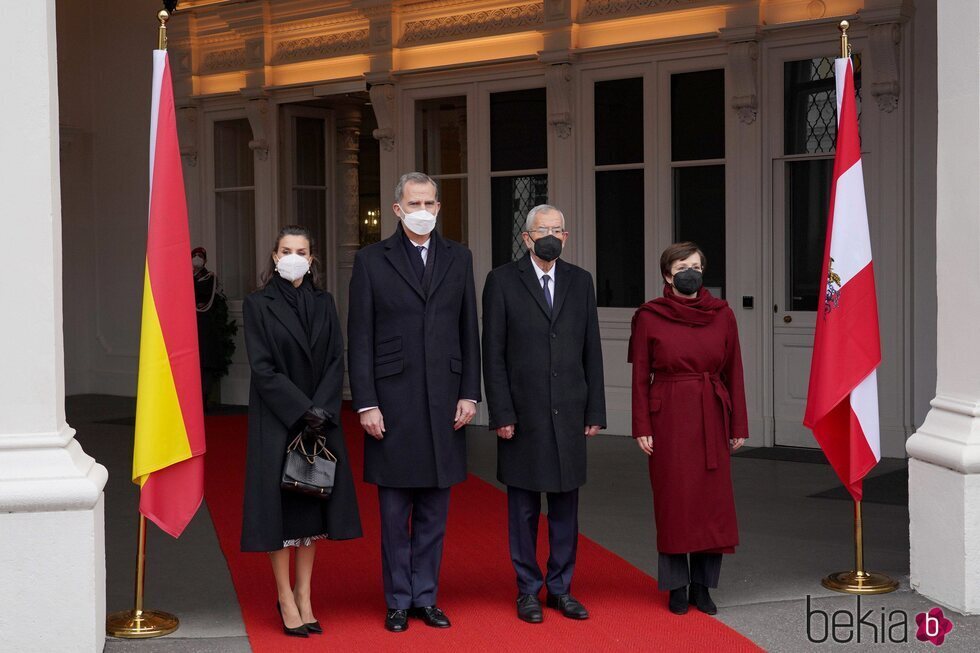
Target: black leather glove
317 419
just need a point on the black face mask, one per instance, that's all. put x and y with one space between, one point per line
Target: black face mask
547 248
688 282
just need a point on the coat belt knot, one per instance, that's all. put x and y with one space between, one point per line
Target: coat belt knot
712 389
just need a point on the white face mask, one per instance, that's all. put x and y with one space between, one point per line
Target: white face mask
419 222
197 262
292 267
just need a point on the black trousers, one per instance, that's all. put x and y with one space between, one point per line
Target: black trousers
674 573
523 513
413 524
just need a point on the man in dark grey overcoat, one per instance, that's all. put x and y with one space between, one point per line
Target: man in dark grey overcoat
543 374
414 363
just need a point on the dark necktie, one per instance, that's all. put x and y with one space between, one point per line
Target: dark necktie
547 291
420 269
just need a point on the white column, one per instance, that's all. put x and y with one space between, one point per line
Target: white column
944 470
384 103
52 540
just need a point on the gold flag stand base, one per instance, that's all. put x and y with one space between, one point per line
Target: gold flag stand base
140 624
860 582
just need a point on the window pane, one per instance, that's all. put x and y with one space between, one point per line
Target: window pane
310 209
697 115
235 230
807 198
810 104
619 121
511 200
440 142
310 157
699 215
233 162
518 130
453 211
619 238
369 181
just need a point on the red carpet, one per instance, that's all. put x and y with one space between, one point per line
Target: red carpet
477 587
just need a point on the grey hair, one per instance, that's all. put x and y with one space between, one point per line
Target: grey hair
414 178
533 213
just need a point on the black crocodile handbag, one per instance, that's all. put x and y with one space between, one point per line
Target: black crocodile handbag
310 468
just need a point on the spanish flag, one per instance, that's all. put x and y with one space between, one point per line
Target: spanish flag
168 461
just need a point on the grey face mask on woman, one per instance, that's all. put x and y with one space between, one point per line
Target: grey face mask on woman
688 282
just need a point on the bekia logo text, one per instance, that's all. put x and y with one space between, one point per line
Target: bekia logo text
874 626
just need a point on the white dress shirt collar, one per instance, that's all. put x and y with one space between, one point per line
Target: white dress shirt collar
540 273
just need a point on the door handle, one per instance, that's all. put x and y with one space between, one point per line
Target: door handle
787 319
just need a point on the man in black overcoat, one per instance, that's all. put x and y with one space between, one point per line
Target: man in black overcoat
543 375
414 365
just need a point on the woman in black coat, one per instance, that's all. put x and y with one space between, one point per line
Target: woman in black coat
295 349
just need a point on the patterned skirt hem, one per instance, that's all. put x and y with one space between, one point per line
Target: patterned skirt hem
303 541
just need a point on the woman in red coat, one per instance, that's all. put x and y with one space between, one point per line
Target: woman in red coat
688 405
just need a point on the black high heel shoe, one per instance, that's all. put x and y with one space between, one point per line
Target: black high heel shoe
299 631
314 628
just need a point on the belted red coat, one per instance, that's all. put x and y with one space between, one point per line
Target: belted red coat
689 394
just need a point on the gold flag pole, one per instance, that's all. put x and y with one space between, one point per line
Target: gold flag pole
845 47
139 623
857 581
163 16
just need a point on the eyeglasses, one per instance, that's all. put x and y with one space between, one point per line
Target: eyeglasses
546 231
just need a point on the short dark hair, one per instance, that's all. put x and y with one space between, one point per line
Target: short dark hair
679 252
414 178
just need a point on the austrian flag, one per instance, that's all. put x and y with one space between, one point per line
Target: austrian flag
842 402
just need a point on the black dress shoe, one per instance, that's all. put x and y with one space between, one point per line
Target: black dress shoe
396 620
568 606
529 609
314 628
678 601
431 615
299 631
699 596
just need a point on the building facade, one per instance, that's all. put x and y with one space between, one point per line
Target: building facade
456 89
646 122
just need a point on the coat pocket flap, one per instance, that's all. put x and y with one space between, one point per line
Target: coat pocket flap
456 365
388 368
388 346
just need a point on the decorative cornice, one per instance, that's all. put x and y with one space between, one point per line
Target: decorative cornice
316 23
222 60
324 46
599 9
490 21
217 39
419 6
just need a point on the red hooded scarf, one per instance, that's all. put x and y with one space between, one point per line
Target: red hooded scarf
698 311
